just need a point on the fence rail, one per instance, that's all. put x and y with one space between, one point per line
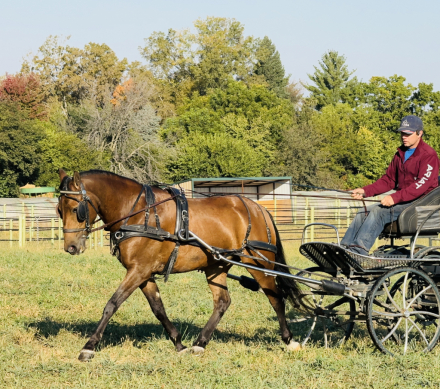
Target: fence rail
37 220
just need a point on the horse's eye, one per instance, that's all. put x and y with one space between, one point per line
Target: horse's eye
75 210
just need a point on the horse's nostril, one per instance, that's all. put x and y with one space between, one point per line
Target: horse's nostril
71 249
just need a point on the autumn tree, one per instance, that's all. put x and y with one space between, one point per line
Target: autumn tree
73 74
124 131
26 91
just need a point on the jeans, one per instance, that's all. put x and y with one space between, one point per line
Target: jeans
363 231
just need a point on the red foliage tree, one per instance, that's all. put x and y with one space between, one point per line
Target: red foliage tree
25 90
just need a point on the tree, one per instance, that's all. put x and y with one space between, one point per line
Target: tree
250 115
214 155
124 130
26 91
203 60
332 80
61 148
72 74
19 148
269 65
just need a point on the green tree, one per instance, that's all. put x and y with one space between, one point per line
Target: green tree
249 114
61 148
202 60
332 80
19 148
269 65
214 155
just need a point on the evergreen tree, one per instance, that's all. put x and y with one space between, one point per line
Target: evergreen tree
332 79
269 65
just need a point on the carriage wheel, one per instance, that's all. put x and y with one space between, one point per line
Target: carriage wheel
403 312
330 320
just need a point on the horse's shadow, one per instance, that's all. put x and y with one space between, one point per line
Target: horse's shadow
116 334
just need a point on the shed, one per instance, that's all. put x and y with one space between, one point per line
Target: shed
274 193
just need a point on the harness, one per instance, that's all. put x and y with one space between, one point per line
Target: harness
181 234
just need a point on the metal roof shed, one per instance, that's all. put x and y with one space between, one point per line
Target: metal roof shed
256 188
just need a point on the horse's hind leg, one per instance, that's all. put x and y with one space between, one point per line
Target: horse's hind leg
216 277
269 287
151 292
132 280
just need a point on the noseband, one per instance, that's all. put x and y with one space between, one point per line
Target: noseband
82 212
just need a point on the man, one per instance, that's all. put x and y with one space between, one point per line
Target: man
413 172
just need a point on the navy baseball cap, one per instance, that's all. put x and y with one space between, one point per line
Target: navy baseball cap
410 124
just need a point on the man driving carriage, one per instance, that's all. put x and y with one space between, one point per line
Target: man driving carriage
413 172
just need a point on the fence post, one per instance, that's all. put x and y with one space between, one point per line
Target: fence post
11 232
294 210
306 217
52 224
31 228
102 233
348 216
275 210
4 217
20 232
312 220
24 229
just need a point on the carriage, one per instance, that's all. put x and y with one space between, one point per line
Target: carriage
394 291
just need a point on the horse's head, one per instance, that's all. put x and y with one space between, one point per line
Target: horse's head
77 211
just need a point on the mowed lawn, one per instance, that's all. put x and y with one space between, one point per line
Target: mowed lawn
50 302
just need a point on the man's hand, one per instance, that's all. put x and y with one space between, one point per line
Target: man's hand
387 201
357 193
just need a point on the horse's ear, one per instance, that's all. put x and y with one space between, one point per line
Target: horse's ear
77 180
62 174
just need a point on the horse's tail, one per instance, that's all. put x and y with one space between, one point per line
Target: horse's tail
289 288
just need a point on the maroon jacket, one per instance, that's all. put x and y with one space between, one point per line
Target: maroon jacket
412 179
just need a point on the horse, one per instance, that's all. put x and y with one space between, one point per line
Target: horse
222 221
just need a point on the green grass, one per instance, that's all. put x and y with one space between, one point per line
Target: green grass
50 302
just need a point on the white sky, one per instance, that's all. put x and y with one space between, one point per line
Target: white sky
378 37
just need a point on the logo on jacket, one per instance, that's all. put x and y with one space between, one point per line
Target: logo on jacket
425 177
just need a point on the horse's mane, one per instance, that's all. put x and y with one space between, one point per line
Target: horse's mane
66 180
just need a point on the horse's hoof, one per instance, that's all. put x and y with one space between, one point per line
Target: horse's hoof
197 350
293 346
86 355
184 351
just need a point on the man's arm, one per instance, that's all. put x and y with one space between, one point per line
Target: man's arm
384 184
427 178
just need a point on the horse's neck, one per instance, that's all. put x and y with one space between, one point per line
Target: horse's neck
116 195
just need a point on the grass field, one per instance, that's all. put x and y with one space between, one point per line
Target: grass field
50 302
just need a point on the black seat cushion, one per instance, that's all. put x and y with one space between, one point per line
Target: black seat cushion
410 219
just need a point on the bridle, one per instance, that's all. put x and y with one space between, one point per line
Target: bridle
82 211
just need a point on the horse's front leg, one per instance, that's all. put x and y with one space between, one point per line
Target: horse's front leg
216 277
151 292
132 280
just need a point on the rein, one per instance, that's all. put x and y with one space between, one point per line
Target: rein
86 199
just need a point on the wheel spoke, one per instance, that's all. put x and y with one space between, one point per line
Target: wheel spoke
424 313
312 327
419 294
420 331
406 337
404 290
388 314
389 296
392 331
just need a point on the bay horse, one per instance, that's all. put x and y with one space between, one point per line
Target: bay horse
222 221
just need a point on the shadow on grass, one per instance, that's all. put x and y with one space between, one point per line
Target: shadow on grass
116 334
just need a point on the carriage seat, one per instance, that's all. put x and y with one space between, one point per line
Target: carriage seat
410 219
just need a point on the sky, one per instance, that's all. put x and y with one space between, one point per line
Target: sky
378 38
